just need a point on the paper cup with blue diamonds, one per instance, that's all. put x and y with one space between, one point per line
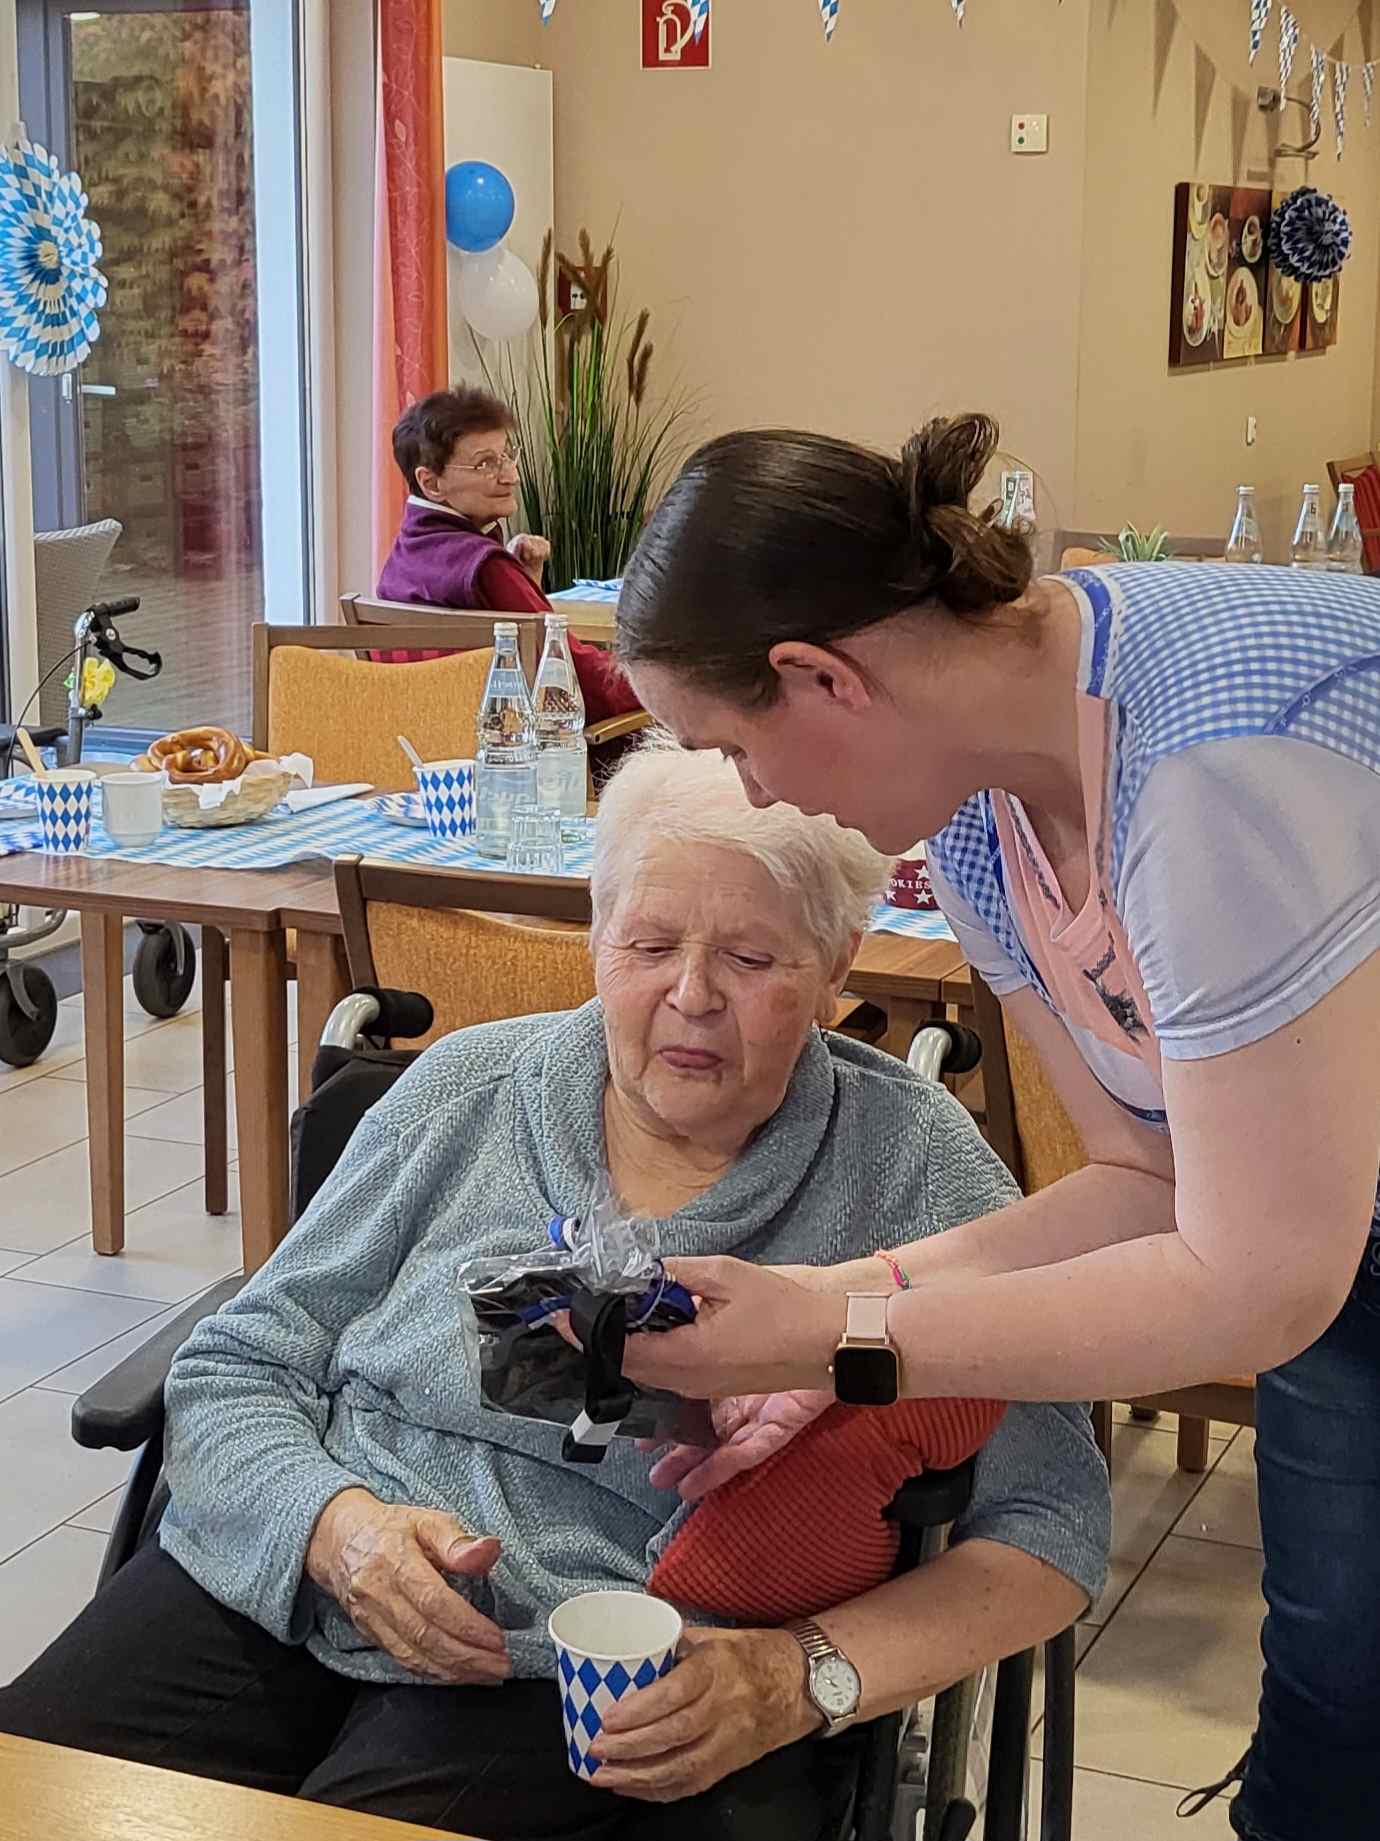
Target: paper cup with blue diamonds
64 809
608 1644
447 789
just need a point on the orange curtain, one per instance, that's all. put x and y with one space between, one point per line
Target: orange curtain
410 350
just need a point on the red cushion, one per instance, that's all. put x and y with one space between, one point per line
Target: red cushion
1367 484
806 1529
399 656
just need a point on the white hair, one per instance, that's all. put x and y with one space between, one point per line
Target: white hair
663 791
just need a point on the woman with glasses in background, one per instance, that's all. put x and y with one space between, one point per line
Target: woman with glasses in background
459 455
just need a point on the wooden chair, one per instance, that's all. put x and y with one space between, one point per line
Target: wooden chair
1034 1136
1363 472
451 934
463 631
313 696
1087 549
466 629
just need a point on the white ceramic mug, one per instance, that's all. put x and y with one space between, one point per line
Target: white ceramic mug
132 808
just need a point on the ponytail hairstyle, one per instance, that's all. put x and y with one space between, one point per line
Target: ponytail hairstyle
775 535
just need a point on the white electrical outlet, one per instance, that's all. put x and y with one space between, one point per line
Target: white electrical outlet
1030 134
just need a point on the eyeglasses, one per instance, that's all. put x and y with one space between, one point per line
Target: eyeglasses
489 466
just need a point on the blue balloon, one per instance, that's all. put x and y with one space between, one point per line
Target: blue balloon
479 206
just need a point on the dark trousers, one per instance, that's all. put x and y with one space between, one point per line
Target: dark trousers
156 1671
1312 1766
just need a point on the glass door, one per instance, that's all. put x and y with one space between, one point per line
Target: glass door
153 103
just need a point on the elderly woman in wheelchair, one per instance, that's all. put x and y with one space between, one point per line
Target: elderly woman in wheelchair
349 1596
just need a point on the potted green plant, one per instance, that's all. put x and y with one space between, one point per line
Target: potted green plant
1133 546
597 443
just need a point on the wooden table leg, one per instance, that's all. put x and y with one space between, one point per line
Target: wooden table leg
215 1133
258 966
904 1015
323 978
102 983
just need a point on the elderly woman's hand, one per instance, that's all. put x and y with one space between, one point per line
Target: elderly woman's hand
750 1427
386 1566
734 1696
755 1332
532 552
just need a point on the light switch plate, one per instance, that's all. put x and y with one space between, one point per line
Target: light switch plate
1030 134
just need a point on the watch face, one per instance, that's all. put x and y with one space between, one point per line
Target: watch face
836 1686
866 1377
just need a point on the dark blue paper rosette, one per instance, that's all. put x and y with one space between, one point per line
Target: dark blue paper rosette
50 287
1310 235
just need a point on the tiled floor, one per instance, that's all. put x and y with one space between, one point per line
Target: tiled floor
1169 1658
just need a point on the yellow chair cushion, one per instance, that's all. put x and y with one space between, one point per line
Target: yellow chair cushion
1050 1144
476 968
347 713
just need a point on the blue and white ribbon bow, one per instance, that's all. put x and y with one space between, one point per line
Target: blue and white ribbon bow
829 13
547 8
1260 17
1368 87
958 10
699 18
1288 45
1341 77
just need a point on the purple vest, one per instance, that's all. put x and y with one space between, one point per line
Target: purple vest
436 559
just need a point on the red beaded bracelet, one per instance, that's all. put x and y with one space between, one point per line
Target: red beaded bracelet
897 1270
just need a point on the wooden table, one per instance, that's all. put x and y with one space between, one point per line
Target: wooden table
243 906
590 620
49 1793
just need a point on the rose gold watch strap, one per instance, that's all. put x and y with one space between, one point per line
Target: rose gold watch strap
865 1320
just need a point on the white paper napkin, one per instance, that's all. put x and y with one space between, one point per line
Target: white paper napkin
307 799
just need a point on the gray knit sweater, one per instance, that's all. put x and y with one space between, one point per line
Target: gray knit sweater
350 1358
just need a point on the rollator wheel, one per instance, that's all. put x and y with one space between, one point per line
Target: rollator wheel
23 1038
161 987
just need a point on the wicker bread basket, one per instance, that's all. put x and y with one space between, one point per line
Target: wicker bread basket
254 799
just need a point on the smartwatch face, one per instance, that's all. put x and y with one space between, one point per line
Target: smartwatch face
866 1377
836 1686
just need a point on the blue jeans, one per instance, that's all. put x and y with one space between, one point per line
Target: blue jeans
1314 1764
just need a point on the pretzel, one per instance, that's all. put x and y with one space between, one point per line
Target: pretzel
204 757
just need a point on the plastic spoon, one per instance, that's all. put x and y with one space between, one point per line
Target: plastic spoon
410 752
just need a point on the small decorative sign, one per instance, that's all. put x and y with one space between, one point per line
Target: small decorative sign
668 35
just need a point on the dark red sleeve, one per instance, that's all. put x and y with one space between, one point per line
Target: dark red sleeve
506 588
605 689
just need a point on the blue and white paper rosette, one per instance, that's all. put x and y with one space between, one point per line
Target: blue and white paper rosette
50 287
64 811
447 789
608 1645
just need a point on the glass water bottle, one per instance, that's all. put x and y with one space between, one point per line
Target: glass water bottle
1244 545
505 764
1309 548
1344 546
562 755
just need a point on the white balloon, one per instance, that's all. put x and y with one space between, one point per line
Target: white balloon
498 294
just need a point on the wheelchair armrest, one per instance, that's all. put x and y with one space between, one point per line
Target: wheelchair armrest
124 1409
933 1499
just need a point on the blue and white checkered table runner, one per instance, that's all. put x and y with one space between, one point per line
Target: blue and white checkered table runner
350 828
589 591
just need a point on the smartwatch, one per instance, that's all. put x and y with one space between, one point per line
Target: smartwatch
866 1367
